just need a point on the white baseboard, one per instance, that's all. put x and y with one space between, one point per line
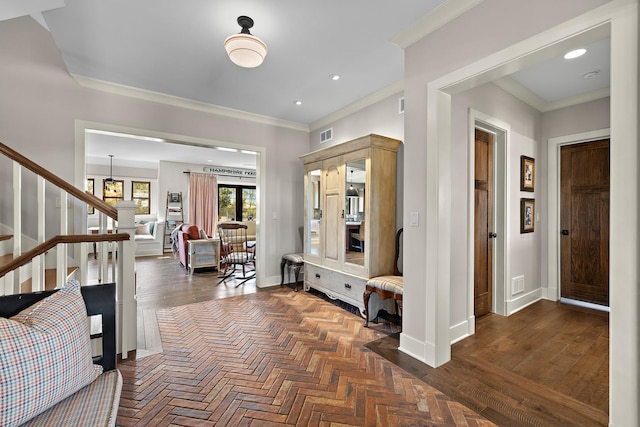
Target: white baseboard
550 294
413 347
522 301
460 331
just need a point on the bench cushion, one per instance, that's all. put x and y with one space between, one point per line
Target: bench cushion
293 258
387 283
94 405
45 355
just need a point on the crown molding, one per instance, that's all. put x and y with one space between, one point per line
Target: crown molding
363 103
514 88
578 99
176 101
437 18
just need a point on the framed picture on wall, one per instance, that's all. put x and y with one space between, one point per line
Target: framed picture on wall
90 183
141 195
527 172
527 215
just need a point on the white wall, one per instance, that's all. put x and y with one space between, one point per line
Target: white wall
381 118
41 103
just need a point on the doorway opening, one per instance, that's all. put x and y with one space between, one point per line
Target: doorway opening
183 143
554 211
499 220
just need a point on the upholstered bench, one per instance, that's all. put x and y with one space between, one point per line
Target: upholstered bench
295 261
386 286
48 375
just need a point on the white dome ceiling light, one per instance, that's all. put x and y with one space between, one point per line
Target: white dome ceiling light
244 49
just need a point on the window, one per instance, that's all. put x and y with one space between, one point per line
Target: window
113 192
140 194
90 209
236 202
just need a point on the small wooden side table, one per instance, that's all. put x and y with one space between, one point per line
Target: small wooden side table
203 253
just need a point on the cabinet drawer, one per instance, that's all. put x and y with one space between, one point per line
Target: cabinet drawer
335 284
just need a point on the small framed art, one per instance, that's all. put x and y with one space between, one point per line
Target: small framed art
527 172
527 215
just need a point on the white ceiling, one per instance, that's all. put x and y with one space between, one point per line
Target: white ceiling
176 48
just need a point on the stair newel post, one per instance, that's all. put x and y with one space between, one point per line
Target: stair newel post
126 283
38 263
61 250
14 282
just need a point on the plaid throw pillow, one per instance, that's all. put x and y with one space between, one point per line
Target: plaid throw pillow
45 355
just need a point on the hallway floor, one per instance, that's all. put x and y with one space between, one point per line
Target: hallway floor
546 365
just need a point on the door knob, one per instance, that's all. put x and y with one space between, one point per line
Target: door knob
492 235
565 232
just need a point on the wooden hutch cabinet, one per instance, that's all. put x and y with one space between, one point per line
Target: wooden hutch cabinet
349 216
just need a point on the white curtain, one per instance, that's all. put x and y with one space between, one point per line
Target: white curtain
203 201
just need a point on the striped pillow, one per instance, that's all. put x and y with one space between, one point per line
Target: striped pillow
45 355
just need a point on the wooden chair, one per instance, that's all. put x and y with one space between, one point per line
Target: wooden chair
359 237
386 286
234 250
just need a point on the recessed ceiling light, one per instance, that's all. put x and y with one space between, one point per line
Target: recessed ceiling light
335 77
591 75
575 53
297 102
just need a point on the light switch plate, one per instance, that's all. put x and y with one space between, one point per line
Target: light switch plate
414 219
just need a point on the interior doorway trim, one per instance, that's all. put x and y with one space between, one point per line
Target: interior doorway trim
552 292
501 189
80 173
435 347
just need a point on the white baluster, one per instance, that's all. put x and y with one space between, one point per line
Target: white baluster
17 225
38 264
61 250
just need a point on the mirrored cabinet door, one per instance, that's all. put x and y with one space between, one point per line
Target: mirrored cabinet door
355 221
313 213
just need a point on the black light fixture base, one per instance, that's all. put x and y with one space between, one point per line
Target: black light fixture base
245 22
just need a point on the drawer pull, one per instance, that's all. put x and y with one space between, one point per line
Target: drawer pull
317 276
347 286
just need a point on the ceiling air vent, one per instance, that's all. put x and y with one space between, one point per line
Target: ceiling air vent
326 135
401 105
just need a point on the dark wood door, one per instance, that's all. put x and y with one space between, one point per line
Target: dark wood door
584 222
483 234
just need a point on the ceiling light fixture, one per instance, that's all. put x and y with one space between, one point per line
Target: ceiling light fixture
110 180
575 53
244 49
351 191
297 102
335 77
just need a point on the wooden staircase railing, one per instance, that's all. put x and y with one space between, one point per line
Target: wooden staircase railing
123 267
88 198
55 241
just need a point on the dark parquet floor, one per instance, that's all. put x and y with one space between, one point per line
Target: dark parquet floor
279 357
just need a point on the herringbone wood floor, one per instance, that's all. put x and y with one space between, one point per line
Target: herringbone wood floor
546 365
275 357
